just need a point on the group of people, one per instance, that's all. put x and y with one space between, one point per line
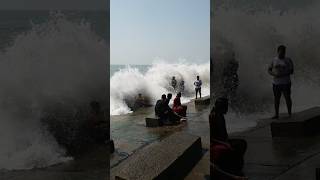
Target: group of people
175 86
197 84
167 114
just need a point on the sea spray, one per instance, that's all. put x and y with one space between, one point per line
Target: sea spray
254 34
127 83
56 63
253 31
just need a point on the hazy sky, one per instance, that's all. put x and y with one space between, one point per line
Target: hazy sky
144 30
54 4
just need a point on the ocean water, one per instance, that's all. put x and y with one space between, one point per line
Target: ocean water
48 60
126 82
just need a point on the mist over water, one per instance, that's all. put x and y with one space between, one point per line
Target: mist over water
127 83
59 64
253 33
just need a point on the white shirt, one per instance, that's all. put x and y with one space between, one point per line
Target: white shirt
198 84
280 66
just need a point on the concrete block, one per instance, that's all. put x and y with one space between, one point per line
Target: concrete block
171 158
202 101
304 123
153 122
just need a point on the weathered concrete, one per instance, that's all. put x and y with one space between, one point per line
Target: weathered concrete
131 135
202 168
303 123
280 158
153 122
202 101
171 158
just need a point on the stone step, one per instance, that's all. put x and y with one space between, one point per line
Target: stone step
304 123
171 158
202 101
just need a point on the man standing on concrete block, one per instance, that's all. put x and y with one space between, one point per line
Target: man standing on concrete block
197 85
281 68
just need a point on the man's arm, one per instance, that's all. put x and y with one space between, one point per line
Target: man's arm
291 66
270 70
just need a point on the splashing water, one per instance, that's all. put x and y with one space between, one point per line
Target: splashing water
127 83
253 33
56 62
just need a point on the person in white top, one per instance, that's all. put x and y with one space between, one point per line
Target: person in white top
281 68
197 85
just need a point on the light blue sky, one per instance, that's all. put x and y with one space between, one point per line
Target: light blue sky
144 30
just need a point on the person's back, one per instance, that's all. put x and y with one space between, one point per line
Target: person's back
229 152
174 82
219 129
157 108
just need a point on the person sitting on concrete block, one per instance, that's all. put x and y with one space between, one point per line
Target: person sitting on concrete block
226 153
178 107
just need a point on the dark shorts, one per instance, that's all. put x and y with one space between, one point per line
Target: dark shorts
198 90
281 88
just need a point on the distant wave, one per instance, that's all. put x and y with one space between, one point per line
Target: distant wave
127 83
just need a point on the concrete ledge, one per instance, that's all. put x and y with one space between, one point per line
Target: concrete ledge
304 123
171 158
202 101
153 122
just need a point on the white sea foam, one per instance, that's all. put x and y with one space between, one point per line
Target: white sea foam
55 62
127 83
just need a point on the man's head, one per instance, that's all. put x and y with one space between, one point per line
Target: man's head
169 96
221 105
139 94
198 77
163 97
173 77
282 51
179 94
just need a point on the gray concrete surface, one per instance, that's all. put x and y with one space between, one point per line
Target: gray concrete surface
170 158
304 123
130 135
202 101
279 157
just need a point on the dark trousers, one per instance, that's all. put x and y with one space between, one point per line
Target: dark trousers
198 90
284 89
